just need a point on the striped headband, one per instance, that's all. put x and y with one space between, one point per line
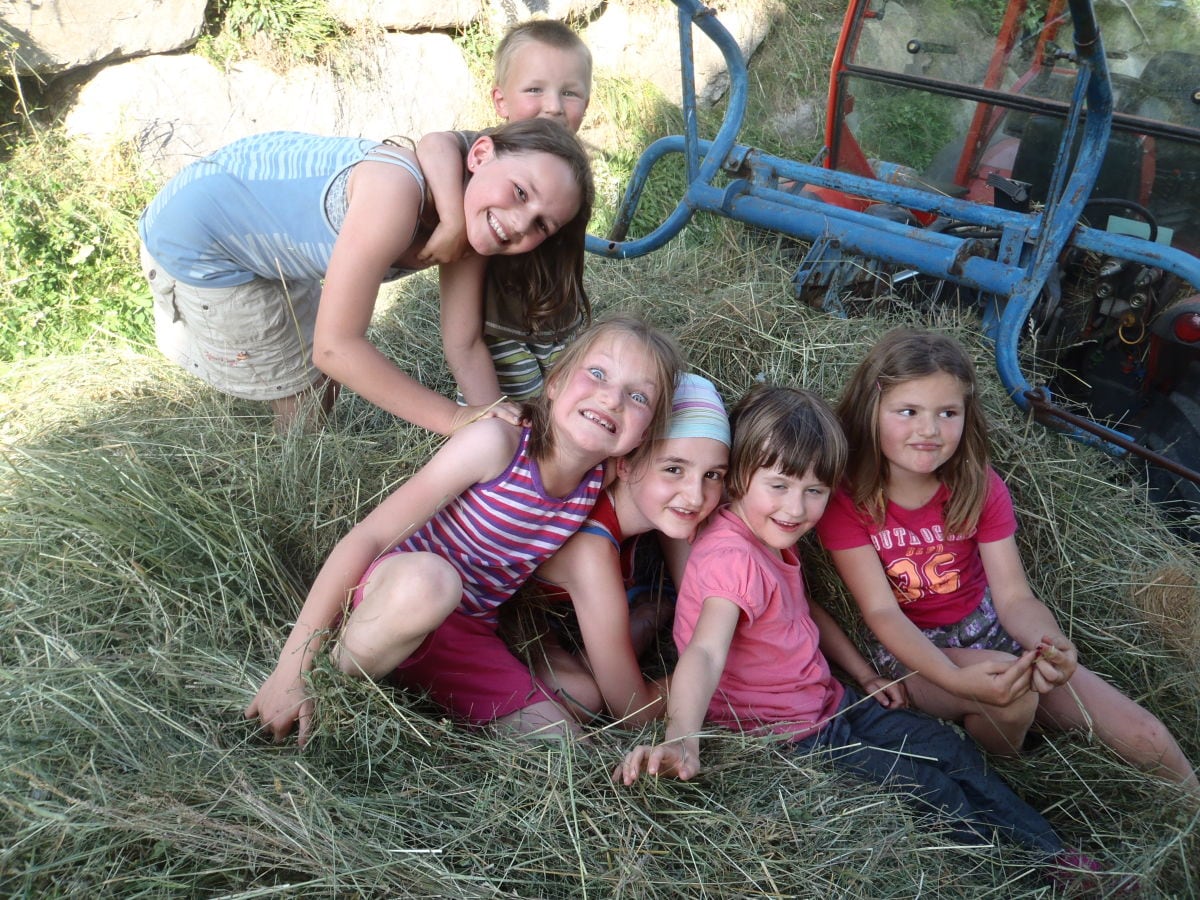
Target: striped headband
697 411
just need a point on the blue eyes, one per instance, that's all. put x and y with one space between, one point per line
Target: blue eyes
638 397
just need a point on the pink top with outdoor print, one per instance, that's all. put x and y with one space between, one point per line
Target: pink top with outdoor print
938 578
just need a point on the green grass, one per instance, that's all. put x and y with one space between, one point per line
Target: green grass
283 32
68 249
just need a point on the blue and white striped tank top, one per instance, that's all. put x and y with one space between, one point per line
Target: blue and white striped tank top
256 208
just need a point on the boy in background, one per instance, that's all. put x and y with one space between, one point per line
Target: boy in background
542 70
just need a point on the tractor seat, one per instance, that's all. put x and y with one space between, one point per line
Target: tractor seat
1170 88
1120 170
1170 92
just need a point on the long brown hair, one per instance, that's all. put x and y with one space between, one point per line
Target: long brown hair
668 363
903 355
549 279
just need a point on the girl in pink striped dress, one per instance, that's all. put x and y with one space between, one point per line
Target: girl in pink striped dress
416 584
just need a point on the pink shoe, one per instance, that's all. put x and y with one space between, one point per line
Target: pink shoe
1076 873
1079 875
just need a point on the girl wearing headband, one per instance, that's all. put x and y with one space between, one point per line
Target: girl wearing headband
670 486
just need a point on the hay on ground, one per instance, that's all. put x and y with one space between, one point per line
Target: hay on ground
156 541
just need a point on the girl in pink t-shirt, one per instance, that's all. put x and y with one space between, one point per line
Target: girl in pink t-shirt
923 535
755 652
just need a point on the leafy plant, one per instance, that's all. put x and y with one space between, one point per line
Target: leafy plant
289 31
68 250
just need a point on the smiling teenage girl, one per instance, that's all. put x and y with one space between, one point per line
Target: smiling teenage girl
266 257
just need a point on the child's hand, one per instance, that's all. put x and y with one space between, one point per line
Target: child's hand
503 409
280 703
890 694
1056 661
997 683
447 244
673 758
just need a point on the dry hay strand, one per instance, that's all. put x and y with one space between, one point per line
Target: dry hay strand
1170 598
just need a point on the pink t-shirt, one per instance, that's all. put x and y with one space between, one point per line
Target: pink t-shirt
775 675
937 578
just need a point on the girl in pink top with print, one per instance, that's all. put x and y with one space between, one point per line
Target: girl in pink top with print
922 532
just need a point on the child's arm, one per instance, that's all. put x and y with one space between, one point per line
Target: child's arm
840 650
675 553
467 354
995 683
1026 617
468 457
440 155
692 686
588 567
375 235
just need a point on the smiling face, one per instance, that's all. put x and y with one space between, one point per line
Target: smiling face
603 406
780 508
515 201
544 82
921 424
673 487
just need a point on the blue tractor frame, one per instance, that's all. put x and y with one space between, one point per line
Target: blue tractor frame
754 190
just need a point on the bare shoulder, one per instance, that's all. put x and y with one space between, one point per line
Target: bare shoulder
486 447
377 186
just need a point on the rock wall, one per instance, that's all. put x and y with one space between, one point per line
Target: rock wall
138 84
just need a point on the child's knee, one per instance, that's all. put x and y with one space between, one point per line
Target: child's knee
415 586
542 719
1146 732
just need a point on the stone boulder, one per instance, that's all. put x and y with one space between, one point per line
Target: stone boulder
643 41
420 15
500 14
54 36
175 108
407 15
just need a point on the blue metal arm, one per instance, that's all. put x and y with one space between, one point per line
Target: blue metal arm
753 196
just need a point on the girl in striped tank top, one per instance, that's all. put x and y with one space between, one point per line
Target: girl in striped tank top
663 494
416 584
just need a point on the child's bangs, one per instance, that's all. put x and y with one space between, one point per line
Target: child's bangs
797 451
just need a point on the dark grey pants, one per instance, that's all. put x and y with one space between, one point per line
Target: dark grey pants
940 769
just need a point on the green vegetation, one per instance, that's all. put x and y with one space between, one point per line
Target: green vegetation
68 249
284 31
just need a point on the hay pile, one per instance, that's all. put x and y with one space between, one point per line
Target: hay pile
156 540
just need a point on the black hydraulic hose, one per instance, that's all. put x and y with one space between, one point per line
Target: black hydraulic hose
1130 205
1038 400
